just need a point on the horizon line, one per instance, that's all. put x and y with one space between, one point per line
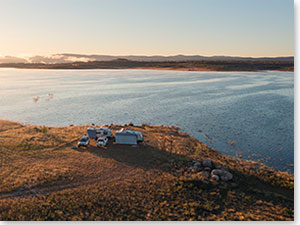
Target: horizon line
26 55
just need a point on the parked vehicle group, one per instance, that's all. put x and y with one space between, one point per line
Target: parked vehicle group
102 135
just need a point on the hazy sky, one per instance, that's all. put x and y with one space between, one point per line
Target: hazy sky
147 27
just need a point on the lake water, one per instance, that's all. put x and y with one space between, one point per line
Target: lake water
253 109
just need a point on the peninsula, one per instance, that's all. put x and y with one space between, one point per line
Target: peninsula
170 176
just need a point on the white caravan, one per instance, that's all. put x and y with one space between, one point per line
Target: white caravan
101 132
95 133
127 137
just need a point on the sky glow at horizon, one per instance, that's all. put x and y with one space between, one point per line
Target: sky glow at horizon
254 28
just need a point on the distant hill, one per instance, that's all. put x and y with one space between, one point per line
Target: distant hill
69 58
186 65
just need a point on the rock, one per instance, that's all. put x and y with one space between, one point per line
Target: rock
205 181
217 172
218 167
228 176
207 163
207 169
205 174
223 178
223 174
215 177
197 164
193 168
200 168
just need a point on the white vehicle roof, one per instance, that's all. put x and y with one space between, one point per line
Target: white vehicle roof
125 132
102 138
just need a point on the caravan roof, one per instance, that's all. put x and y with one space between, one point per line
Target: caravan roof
125 132
104 131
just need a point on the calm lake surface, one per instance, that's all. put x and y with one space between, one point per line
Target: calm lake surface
253 109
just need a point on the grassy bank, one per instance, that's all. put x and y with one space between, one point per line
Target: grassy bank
43 178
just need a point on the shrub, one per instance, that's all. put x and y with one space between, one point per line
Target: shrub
146 124
44 130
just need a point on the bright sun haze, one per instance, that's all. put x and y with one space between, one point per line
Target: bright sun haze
140 27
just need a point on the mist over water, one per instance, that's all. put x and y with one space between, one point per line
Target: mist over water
254 110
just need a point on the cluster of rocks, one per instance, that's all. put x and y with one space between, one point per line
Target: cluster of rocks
211 170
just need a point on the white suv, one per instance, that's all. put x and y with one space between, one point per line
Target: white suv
102 141
84 141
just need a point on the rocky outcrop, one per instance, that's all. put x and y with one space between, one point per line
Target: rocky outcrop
211 170
207 163
222 174
215 177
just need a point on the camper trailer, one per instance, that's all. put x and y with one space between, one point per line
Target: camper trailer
127 137
100 132
91 132
95 133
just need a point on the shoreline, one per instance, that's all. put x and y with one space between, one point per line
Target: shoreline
153 68
210 70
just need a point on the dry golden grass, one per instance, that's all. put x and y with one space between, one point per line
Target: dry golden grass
42 178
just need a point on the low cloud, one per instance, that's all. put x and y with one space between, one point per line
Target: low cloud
79 59
57 58
12 59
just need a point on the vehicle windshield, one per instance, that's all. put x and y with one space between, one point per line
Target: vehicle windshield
83 139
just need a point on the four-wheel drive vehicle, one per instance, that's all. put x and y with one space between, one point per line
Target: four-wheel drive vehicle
139 136
102 141
84 141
